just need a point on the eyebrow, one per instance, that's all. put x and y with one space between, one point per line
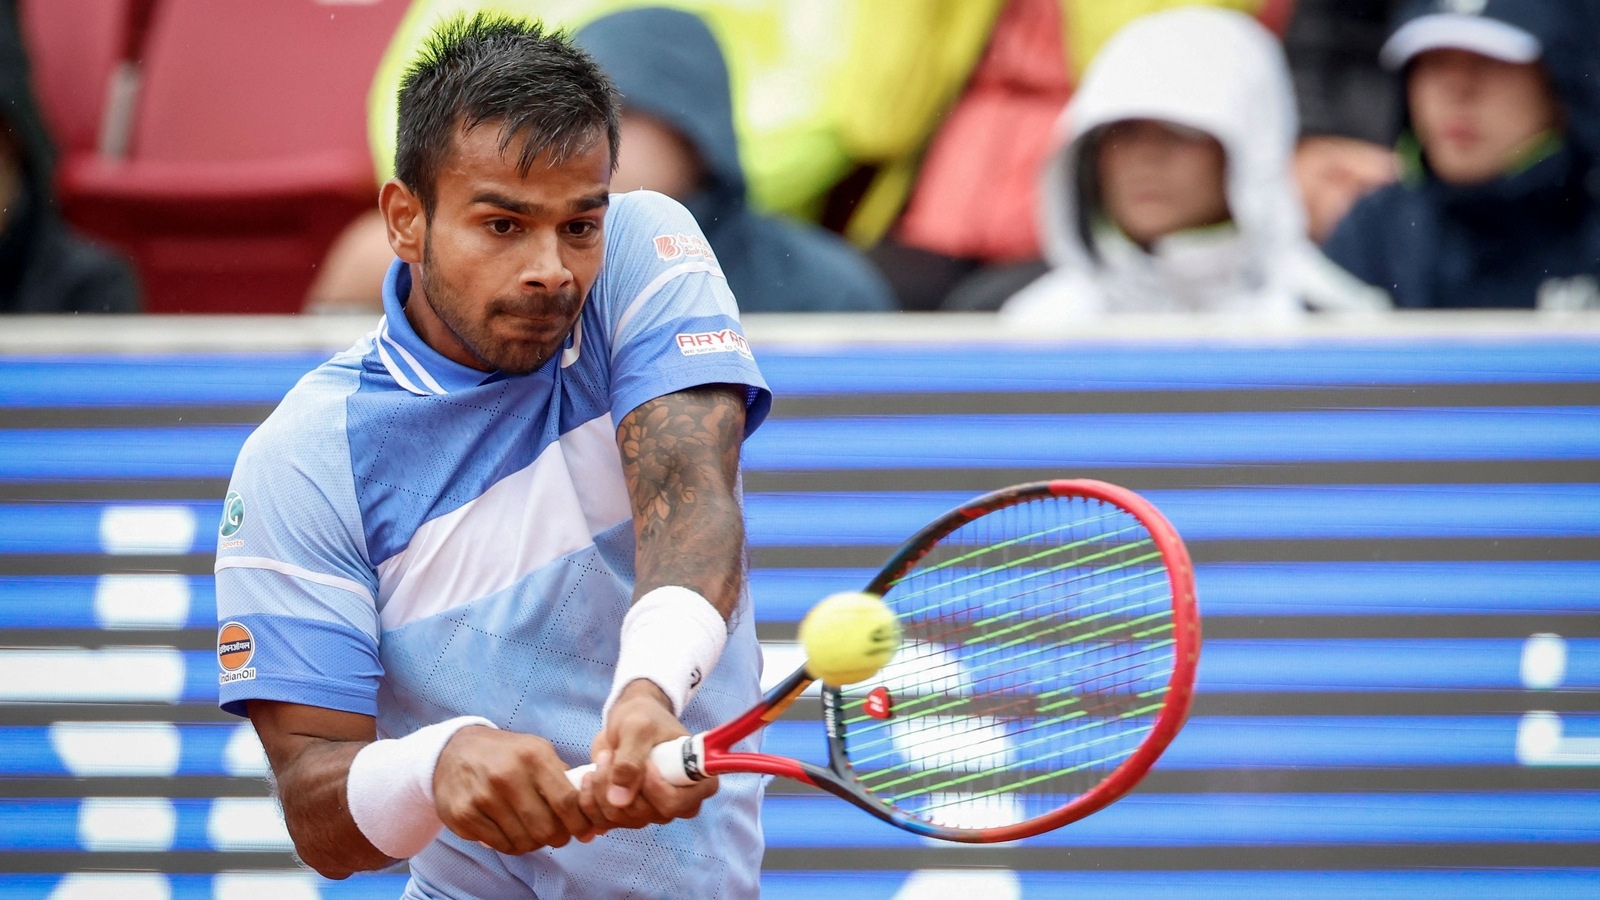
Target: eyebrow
521 208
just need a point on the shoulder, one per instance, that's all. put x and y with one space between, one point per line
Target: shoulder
1381 208
307 431
651 241
647 233
635 219
1367 230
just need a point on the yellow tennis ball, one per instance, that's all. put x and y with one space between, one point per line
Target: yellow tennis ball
848 637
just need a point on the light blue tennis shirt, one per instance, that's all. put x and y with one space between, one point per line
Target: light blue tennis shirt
411 539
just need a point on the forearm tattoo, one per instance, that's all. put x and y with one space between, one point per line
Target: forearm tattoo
680 454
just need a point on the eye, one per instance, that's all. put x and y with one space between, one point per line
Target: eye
583 228
502 226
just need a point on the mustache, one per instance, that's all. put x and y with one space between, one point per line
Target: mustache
563 303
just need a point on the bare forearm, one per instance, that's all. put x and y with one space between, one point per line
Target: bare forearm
317 811
681 457
310 750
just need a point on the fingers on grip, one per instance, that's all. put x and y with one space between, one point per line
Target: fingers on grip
575 775
666 757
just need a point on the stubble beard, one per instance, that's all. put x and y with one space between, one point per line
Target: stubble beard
510 357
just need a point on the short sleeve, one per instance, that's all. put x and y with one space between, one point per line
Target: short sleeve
673 322
296 597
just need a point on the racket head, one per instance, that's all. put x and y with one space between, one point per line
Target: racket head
1050 643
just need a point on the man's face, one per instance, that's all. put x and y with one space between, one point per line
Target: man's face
1157 179
1475 115
508 260
656 157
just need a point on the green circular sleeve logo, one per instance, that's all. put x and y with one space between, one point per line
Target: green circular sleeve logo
232 514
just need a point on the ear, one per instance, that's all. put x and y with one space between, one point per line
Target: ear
404 218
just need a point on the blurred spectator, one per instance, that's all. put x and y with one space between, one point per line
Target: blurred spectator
783 59
44 266
1172 191
1348 109
678 138
1498 205
953 104
787 159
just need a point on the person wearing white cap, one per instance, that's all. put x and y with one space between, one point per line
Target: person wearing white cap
1171 190
1498 206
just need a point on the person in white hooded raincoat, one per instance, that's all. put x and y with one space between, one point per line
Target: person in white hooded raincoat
1172 189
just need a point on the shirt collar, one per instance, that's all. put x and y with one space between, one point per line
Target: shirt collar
416 366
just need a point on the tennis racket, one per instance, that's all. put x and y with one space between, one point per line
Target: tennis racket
1050 638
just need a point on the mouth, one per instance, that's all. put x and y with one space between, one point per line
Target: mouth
1460 135
539 316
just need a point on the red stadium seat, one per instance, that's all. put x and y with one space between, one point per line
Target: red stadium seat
75 48
248 151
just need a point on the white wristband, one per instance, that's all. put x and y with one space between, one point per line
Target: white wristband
673 638
390 788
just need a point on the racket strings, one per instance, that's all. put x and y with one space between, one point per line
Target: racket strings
1018 702
1049 591
1027 666
1042 626
1039 639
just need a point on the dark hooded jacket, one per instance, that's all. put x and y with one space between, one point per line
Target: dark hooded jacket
44 266
667 64
1503 243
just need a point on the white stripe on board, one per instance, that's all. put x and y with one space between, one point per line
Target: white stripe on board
147 530
1542 741
246 823
114 675
141 601
111 824
244 757
1544 661
122 885
961 884
258 885
128 749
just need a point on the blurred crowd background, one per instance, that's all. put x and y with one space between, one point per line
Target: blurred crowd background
1050 160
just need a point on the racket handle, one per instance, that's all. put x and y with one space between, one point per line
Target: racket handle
668 758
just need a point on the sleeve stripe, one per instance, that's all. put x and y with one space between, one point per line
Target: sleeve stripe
650 290
261 562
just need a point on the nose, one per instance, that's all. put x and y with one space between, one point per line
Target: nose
544 266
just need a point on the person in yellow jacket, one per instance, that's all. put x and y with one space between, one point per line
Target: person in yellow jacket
782 58
829 90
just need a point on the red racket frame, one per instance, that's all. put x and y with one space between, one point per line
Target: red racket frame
718 757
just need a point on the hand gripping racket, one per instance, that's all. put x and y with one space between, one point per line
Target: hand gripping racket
1048 658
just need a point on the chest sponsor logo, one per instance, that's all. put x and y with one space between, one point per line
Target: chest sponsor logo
725 341
236 647
682 246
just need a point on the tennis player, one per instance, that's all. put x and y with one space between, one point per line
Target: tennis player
501 535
